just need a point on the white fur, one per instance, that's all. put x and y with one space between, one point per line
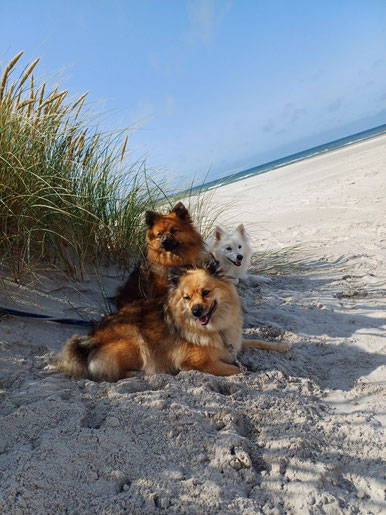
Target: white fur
227 247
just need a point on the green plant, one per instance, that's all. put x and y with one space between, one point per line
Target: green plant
67 195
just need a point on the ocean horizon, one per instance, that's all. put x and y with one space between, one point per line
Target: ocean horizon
293 158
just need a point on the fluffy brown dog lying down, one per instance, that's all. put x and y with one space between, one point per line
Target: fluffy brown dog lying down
190 330
172 241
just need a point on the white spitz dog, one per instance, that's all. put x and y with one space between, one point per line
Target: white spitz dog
234 253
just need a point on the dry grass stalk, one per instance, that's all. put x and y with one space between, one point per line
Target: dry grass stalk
42 93
51 98
9 94
28 72
18 98
41 96
56 105
73 144
6 72
31 104
81 102
25 103
80 99
32 86
81 143
124 148
95 142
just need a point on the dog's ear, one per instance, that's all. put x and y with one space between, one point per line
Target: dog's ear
174 275
181 212
218 233
150 218
241 229
211 265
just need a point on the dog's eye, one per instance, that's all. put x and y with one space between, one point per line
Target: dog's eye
205 293
173 231
160 234
239 246
187 297
229 248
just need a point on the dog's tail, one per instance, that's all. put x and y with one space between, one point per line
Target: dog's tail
74 357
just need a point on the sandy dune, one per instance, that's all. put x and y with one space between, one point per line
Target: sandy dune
302 432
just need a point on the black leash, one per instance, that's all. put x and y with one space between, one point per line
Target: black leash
67 321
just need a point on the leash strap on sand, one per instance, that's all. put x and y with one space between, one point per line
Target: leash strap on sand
46 318
236 361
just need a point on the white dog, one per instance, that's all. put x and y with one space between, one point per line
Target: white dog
234 252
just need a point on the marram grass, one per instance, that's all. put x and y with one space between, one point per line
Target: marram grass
67 195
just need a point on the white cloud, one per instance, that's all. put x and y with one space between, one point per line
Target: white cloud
205 16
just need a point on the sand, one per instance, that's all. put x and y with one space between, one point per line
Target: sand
302 432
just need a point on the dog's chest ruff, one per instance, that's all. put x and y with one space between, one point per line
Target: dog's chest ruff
212 339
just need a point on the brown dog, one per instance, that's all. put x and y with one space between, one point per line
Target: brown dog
172 241
191 330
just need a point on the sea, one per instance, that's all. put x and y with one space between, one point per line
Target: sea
293 158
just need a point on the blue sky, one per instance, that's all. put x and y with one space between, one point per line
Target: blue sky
217 85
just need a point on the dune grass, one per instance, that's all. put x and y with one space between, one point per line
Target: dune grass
67 195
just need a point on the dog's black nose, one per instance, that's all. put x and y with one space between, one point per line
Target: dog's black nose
239 257
197 310
167 243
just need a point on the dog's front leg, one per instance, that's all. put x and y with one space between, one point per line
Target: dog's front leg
219 368
255 280
211 360
215 367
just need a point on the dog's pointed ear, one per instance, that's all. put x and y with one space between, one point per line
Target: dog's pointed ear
174 275
150 218
218 233
181 212
211 265
241 229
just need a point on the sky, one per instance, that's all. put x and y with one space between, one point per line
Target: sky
212 86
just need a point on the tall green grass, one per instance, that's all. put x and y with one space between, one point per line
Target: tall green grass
67 195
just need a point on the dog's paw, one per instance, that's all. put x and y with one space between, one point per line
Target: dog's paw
232 279
256 280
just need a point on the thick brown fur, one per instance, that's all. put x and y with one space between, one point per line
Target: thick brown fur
184 245
192 330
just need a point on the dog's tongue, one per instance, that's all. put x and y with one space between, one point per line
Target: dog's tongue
203 320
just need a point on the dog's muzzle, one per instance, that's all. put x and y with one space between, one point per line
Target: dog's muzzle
239 258
169 244
203 318
197 310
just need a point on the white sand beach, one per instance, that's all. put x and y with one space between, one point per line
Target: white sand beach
301 433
